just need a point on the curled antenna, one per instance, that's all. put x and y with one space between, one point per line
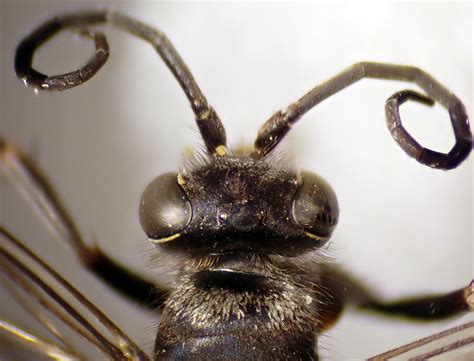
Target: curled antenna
275 128
210 126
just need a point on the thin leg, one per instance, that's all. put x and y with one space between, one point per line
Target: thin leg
271 133
341 289
449 344
430 307
123 348
37 342
208 121
29 301
22 278
34 186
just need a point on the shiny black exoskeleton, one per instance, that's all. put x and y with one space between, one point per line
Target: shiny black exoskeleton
246 229
235 220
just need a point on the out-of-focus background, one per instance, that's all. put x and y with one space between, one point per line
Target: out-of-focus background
404 228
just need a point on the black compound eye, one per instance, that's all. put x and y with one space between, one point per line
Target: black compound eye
165 209
315 207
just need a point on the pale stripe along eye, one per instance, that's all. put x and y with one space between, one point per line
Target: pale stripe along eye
164 209
250 283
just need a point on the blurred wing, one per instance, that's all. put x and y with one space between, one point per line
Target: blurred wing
454 344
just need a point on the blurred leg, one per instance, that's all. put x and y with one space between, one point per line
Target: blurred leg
29 180
343 289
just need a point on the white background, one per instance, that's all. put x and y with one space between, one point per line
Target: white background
404 228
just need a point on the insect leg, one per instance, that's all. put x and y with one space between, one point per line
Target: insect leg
25 277
29 180
341 289
37 342
429 307
271 133
449 344
30 300
210 126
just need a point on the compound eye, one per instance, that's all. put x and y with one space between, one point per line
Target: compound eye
164 209
315 207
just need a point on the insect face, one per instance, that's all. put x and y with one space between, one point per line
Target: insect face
373 179
239 204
